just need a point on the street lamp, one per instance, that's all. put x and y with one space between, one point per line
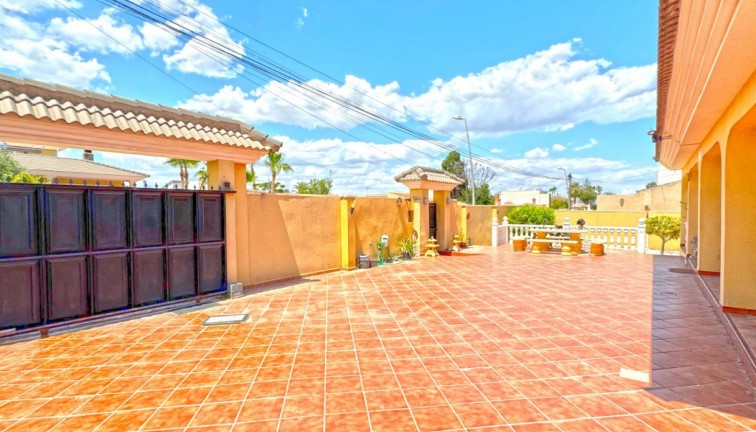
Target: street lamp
469 148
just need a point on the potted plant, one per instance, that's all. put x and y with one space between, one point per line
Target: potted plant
407 246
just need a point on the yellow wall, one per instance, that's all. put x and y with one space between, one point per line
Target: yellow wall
292 235
374 217
660 198
480 220
64 180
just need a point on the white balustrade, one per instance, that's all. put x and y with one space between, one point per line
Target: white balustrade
617 238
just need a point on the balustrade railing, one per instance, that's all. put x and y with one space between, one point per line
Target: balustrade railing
618 238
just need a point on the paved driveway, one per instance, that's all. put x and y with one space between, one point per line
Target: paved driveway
504 341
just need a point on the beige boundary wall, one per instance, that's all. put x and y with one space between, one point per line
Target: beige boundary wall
293 235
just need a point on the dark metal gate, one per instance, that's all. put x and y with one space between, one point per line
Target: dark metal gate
432 220
70 251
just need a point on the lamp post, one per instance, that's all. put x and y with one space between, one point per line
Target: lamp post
469 149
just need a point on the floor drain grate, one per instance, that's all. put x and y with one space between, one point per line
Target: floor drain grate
225 319
681 270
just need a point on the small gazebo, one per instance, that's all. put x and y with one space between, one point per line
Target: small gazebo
431 218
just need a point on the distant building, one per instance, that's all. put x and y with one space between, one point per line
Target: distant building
661 198
534 197
43 161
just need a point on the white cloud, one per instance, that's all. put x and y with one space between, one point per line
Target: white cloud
496 150
591 143
550 90
33 6
536 153
97 34
48 60
304 12
266 104
156 38
558 148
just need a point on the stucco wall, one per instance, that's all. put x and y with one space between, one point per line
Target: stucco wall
375 216
479 222
662 198
292 235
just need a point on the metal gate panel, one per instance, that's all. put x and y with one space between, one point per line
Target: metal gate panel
210 218
147 218
181 272
18 221
149 276
110 281
65 220
68 251
179 217
109 219
20 293
67 287
210 267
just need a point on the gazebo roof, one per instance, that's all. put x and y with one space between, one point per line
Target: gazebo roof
418 173
28 98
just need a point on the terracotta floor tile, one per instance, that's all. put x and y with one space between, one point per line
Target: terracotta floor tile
519 411
341 403
125 420
357 422
392 421
624 424
303 406
263 426
385 400
300 424
424 397
29 424
171 417
558 408
216 413
62 406
187 396
20 408
261 409
462 394
79 423
596 406
436 418
226 393
478 415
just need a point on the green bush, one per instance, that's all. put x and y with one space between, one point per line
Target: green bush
531 215
665 227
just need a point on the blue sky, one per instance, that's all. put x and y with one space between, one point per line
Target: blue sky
543 85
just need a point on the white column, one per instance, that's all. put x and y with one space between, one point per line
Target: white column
494 233
566 224
505 222
640 244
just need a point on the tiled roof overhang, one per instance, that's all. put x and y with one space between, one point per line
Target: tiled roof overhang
25 98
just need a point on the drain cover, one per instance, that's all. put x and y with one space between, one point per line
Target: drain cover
681 270
225 319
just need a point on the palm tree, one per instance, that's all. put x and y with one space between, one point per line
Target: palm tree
553 191
252 177
183 165
277 165
201 175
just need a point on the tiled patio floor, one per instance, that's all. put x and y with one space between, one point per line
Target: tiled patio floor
504 341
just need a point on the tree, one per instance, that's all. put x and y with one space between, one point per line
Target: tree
9 166
665 227
277 165
558 203
553 190
314 187
649 185
585 192
280 187
483 195
531 215
183 165
453 164
252 177
11 170
201 175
